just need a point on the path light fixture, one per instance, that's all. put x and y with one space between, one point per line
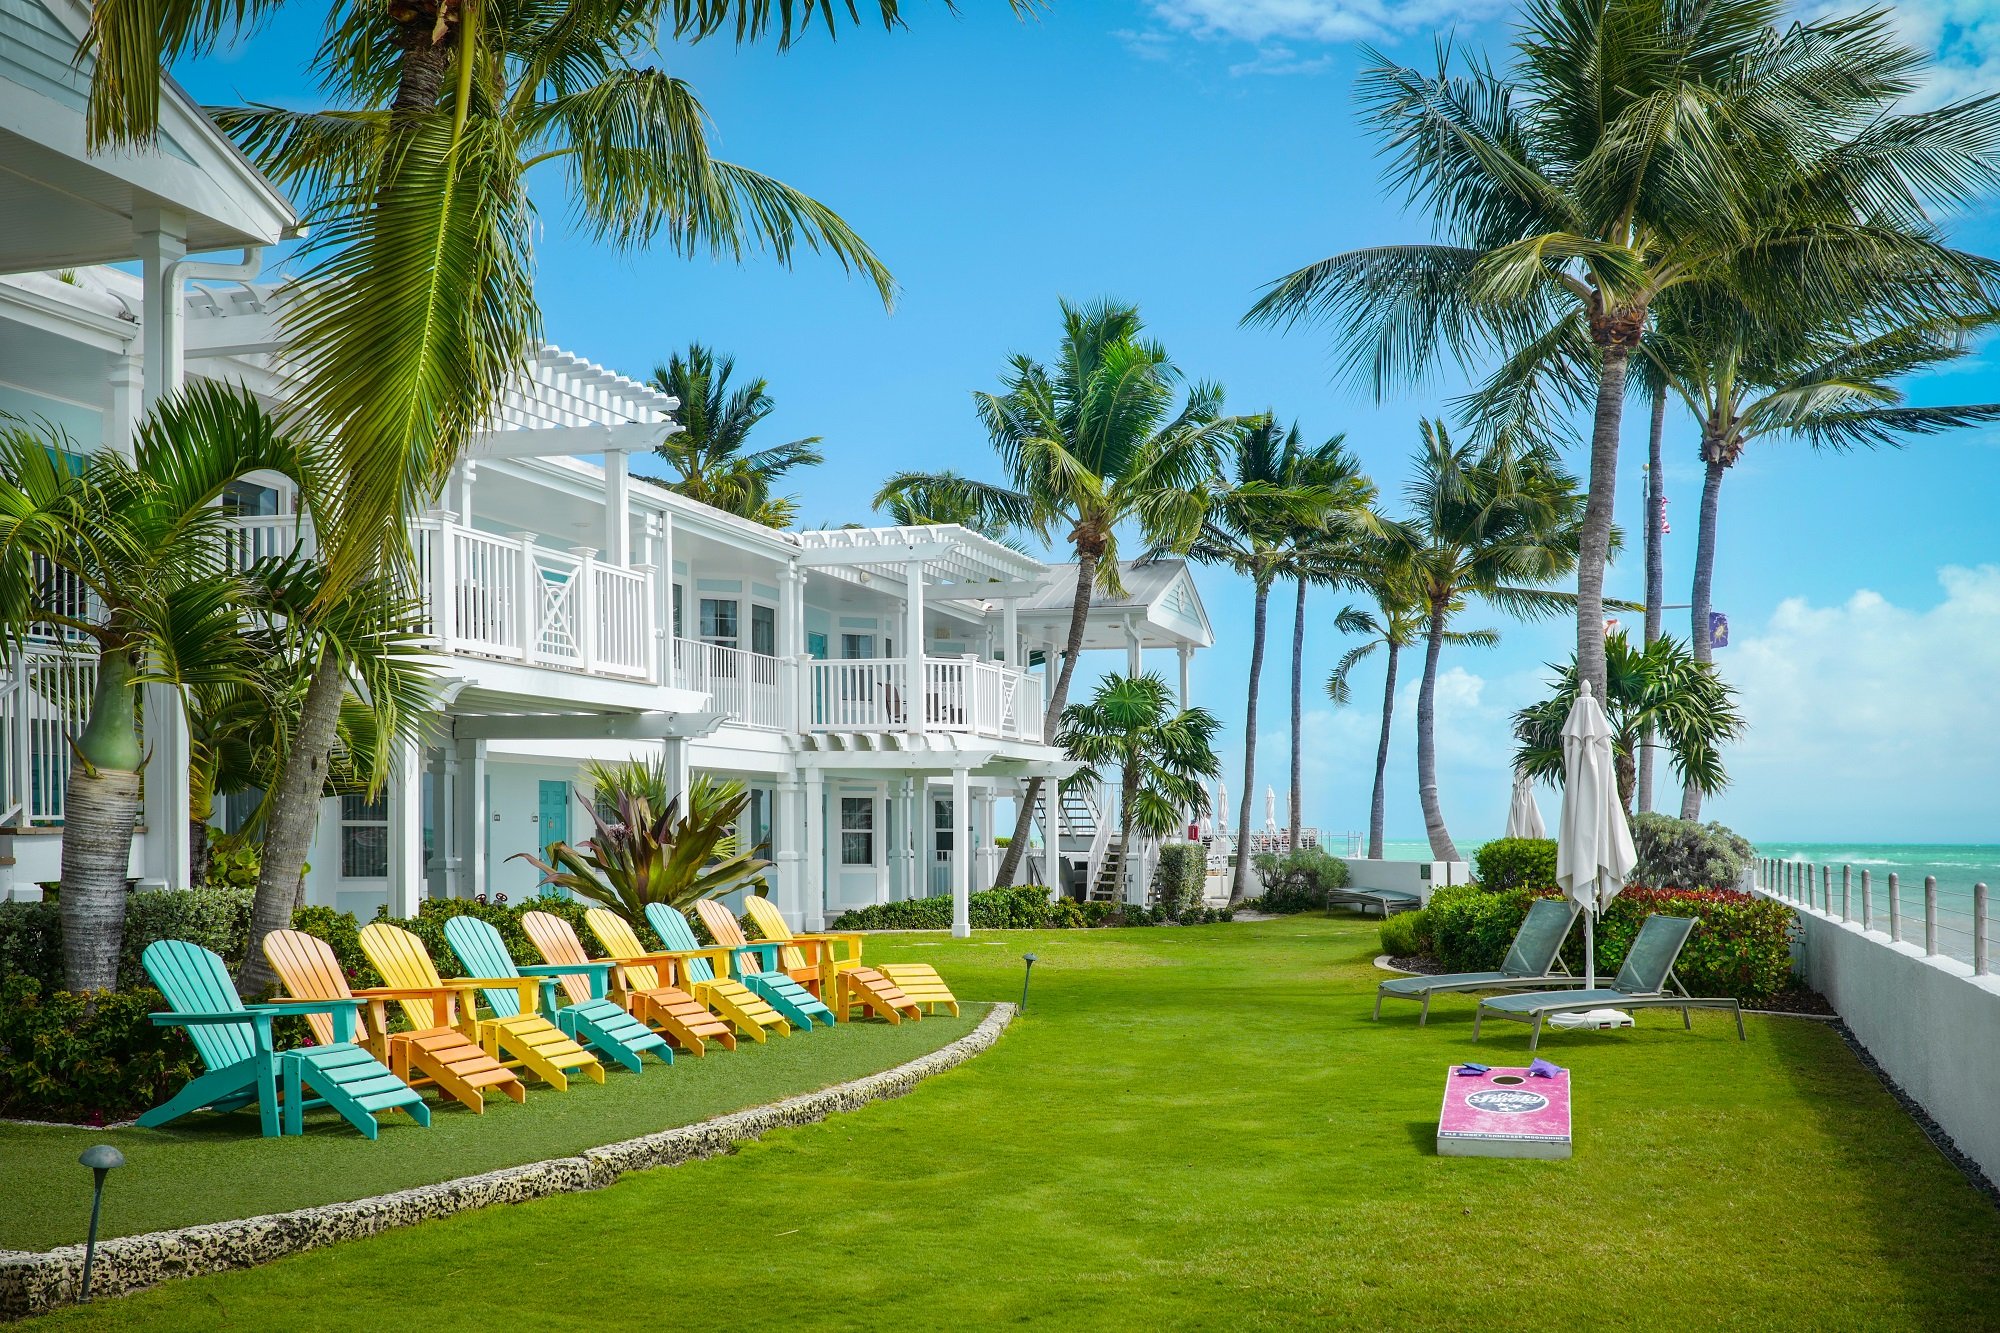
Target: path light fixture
1026 977
101 1159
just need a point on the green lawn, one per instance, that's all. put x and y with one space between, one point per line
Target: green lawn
1201 1128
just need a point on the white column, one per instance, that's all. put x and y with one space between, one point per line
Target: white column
678 774
1186 654
473 819
1051 837
903 795
989 855
1131 649
913 694
785 839
813 911
128 389
1010 634
961 863
791 642
406 829
617 508
162 240
464 473
443 879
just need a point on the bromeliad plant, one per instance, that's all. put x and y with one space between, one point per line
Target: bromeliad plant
640 855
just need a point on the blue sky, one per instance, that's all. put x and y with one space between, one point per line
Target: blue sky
1179 154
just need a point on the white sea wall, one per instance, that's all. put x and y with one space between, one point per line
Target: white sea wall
1929 1022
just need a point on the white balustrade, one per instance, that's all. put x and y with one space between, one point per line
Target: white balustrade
959 694
267 536
753 688
45 693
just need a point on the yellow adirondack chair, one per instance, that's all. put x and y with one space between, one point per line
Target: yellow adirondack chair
525 1040
436 1053
635 983
840 979
702 973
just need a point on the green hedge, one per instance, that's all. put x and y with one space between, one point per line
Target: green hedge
1023 907
1742 947
1180 878
1298 881
214 917
1406 934
88 1058
1517 863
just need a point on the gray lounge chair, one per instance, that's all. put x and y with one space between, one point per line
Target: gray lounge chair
1647 981
1387 902
1527 965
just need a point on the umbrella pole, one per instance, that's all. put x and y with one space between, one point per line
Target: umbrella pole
1590 948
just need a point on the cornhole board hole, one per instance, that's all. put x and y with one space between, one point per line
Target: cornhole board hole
1504 1113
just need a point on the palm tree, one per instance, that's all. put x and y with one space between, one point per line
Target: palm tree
707 452
1089 445
1395 624
1262 520
1165 756
1659 686
1633 147
920 499
130 558
1493 521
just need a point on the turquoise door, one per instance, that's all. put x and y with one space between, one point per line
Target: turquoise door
552 825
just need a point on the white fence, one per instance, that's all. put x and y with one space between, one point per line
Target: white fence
45 695
957 694
1954 928
753 688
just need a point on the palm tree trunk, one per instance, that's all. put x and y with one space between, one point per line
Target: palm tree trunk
1615 335
1442 847
1656 574
100 808
1239 889
1298 705
1701 598
1378 807
293 819
1079 614
421 76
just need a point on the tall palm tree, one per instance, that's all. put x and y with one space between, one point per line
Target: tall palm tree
919 499
707 453
1494 521
1632 147
1262 519
1165 755
1089 445
131 559
1659 686
1397 622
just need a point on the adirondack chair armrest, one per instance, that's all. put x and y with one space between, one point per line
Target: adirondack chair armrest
766 951
828 938
528 987
260 1022
379 996
719 957
344 1012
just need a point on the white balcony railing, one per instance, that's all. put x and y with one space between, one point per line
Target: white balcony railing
263 536
45 693
957 694
752 688
513 599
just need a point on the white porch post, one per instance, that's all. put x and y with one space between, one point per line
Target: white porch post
1010 634
127 384
1051 837
406 829
909 839
1186 654
1131 649
473 819
914 701
982 820
678 775
443 877
786 835
463 475
961 863
162 240
791 643
671 654
813 911
617 509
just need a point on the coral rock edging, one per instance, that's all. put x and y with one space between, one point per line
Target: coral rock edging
36 1282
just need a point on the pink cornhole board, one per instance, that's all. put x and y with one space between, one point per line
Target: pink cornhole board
1504 1113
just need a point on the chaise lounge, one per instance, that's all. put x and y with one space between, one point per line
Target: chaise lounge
1527 966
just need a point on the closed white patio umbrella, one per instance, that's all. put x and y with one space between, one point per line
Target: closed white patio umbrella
1524 817
1594 850
1270 809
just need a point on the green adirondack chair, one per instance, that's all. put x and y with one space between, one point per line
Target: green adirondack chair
756 964
244 1063
597 1022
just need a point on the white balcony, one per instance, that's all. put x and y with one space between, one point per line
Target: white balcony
45 693
752 688
964 695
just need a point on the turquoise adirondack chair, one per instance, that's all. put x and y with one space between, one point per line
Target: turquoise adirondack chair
596 1022
756 967
244 1063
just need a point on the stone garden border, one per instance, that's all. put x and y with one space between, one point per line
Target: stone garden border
34 1282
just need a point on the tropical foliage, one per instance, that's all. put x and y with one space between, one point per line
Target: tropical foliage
708 455
639 855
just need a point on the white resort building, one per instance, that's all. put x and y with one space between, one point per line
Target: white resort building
880 690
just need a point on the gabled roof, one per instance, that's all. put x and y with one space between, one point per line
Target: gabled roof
1160 602
66 207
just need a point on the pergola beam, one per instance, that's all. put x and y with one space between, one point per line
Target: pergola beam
585 726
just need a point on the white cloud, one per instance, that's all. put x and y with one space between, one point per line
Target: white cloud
1264 21
1964 35
1280 60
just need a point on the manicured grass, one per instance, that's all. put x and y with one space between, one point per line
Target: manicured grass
1201 1128
208 1168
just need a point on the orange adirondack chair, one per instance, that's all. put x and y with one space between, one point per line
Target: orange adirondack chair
635 983
440 1055
839 979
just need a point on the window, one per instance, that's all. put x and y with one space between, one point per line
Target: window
718 621
857 647
764 629
247 499
857 830
680 617
364 837
753 831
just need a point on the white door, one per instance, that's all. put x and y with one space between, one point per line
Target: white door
942 834
857 846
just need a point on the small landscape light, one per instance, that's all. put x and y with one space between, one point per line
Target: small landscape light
1026 977
101 1159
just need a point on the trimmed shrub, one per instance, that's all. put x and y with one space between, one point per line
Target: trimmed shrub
1686 854
1299 881
1179 879
1024 907
1471 926
1517 863
90 1057
1406 935
215 918
31 942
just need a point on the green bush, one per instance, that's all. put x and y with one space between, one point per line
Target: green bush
1686 854
1517 863
88 1058
1406 935
216 918
1471 926
1024 907
1179 878
1299 881
31 941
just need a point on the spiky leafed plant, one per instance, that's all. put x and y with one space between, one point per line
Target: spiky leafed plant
1165 756
1629 148
706 455
1398 621
130 561
1092 444
1661 686
639 855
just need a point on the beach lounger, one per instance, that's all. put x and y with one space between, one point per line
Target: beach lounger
595 1023
1646 981
641 983
1528 965
1386 902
